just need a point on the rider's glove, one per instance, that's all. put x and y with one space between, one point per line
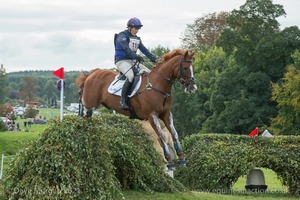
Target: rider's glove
139 58
152 58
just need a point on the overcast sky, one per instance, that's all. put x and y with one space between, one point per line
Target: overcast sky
78 34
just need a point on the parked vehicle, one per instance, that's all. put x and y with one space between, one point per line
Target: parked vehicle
39 121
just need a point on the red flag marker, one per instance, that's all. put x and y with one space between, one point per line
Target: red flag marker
59 73
254 132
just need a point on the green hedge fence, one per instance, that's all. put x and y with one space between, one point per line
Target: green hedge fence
93 158
216 161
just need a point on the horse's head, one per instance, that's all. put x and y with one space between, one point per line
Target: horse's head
181 68
186 72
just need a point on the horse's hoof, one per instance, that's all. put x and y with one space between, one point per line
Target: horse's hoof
171 166
182 163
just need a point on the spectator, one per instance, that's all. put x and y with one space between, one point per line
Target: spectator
18 126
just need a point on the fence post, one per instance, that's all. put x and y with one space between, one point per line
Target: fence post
1 169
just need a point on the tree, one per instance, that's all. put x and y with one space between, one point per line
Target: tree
30 112
158 51
253 23
241 94
49 90
205 31
287 95
3 78
71 91
13 90
191 111
28 91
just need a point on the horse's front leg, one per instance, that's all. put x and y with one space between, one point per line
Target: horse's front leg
154 121
168 120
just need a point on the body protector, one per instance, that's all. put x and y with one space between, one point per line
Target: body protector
126 46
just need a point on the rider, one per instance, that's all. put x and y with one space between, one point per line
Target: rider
126 45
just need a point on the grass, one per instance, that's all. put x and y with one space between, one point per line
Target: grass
12 142
274 184
134 195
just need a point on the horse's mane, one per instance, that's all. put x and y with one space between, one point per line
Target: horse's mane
170 55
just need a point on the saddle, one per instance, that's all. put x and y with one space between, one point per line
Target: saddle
116 85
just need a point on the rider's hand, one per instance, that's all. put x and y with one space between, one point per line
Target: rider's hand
139 58
152 58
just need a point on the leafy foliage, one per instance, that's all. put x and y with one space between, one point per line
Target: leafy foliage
205 30
3 77
88 159
196 107
287 95
5 109
256 54
44 89
2 126
28 91
216 161
30 112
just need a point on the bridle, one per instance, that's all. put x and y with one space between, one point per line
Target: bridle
182 79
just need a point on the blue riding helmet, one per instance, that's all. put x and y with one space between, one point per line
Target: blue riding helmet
134 23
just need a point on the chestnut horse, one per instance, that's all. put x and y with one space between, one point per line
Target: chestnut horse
153 99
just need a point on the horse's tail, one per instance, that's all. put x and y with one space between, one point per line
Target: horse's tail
79 82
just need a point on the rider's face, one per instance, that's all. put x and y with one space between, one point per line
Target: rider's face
134 31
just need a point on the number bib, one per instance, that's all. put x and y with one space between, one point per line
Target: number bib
134 43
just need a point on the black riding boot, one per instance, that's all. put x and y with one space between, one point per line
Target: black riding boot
124 98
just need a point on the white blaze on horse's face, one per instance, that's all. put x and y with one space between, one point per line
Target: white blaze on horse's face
191 87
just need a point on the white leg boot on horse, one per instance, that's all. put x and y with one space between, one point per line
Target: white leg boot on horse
155 123
156 144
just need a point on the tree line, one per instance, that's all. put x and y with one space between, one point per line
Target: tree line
37 85
246 70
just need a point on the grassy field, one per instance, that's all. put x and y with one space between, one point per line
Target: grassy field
274 184
12 142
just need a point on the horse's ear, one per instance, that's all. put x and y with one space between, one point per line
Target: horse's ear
188 53
192 54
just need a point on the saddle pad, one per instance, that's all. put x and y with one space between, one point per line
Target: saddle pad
116 87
